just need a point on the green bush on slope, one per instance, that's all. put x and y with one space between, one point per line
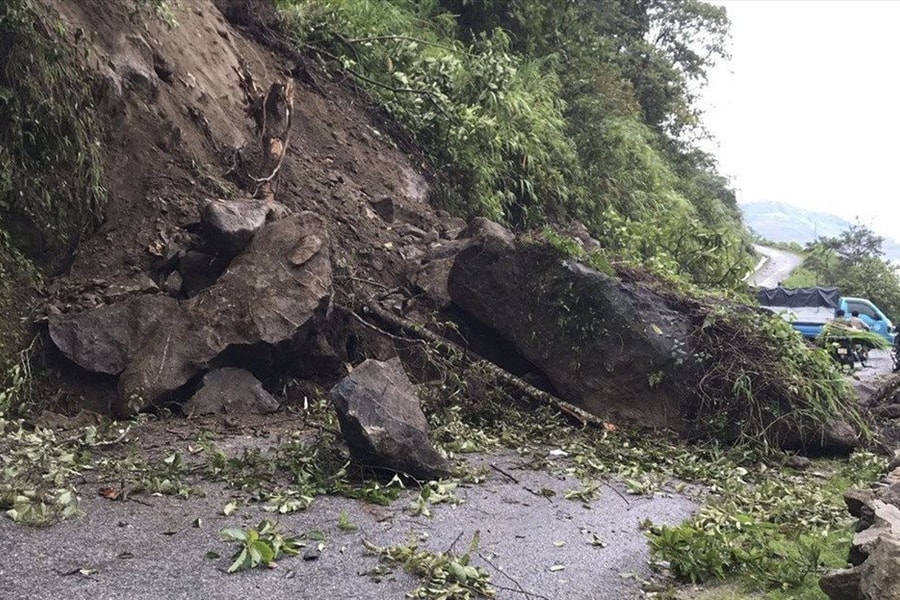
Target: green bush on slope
527 138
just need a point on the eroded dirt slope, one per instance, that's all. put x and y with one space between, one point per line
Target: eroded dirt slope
176 121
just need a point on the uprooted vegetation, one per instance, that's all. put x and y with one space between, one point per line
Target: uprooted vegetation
494 123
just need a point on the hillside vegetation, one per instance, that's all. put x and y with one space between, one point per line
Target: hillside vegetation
534 112
529 112
129 115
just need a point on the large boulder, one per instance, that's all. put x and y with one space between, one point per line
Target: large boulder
615 349
383 423
102 340
879 577
264 304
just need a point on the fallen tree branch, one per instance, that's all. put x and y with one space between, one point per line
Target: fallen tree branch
378 330
526 389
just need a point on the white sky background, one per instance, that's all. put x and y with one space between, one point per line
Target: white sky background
807 112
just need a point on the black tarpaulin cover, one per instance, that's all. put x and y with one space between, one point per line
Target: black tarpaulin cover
795 297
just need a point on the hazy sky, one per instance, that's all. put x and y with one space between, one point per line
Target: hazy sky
807 111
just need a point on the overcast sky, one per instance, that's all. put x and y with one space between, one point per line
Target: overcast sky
807 111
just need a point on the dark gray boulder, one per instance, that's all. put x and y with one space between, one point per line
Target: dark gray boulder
614 349
841 584
266 301
383 423
103 339
229 225
230 391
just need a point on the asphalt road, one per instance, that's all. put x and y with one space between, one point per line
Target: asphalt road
775 268
534 547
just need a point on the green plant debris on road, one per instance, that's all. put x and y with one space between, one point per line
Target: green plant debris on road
771 527
445 575
260 546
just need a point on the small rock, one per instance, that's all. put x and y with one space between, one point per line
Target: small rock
841 584
173 283
384 208
312 553
305 250
230 391
230 225
856 498
795 461
895 461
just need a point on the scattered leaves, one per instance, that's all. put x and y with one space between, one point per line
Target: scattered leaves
260 546
446 576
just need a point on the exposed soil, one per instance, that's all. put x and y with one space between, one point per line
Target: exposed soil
176 125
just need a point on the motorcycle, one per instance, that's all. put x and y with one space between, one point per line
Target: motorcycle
844 351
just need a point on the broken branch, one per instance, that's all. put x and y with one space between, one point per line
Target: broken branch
502 375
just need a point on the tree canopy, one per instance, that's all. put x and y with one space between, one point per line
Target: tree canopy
853 261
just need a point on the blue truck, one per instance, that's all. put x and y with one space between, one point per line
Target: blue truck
808 309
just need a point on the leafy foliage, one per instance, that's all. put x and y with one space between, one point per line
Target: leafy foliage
832 331
160 9
543 112
762 382
260 546
447 576
853 262
38 466
492 121
777 530
50 164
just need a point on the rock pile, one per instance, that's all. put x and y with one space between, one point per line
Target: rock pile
268 301
875 551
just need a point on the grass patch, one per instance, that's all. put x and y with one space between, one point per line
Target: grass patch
51 188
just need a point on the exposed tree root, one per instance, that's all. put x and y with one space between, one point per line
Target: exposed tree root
417 330
273 113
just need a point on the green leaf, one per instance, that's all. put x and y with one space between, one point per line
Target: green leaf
235 535
264 551
241 558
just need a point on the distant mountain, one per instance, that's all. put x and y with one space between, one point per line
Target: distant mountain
782 222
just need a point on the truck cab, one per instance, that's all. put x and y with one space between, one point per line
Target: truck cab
808 309
871 315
